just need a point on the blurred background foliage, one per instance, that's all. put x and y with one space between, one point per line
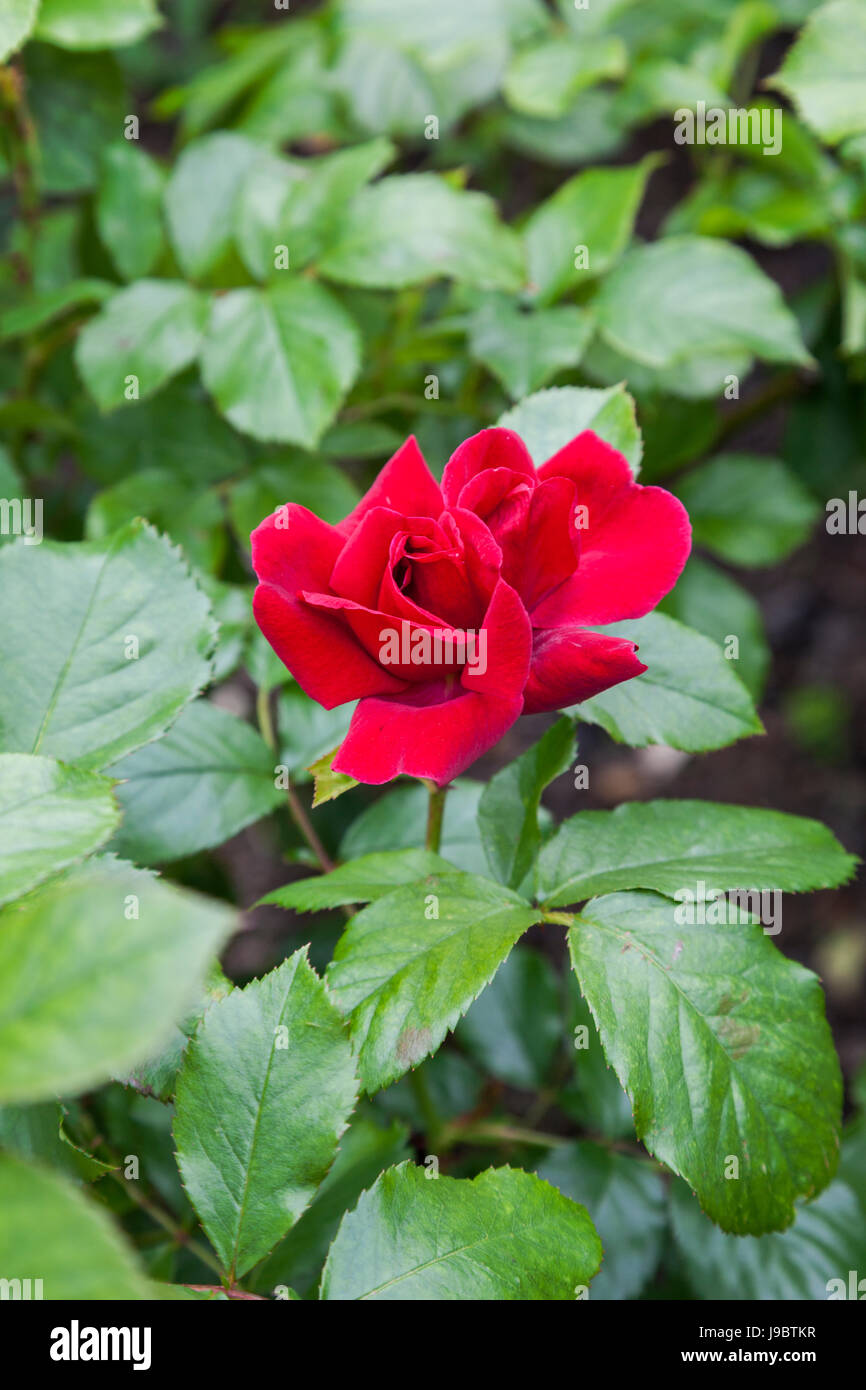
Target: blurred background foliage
431 171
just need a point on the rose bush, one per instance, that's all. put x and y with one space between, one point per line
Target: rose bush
527 556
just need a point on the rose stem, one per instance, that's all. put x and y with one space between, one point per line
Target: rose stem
299 815
434 816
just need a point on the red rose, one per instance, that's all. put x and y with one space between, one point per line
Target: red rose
448 612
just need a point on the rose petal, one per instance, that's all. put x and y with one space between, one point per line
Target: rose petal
633 548
319 649
551 549
294 549
437 729
405 484
437 740
493 448
570 665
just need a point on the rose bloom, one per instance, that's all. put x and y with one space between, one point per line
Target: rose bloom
525 558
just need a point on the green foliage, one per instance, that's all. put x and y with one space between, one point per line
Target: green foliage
665 845
689 697
505 1235
95 968
251 1160
240 262
409 965
713 1034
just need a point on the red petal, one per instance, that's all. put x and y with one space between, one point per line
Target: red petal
633 548
371 626
437 729
405 484
294 549
570 665
437 740
507 649
493 448
551 548
317 648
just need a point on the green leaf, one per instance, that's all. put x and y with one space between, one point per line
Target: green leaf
112 640
16 25
78 105
264 1093
95 968
362 880
524 350
365 1151
409 966
724 1050
200 199
550 419
592 1094
543 80
92 24
627 1199
260 195
513 1029
443 34
667 845
178 431
824 73
825 1242
38 1132
386 91
707 600
689 697
39 310
589 131
129 208
411 228
508 809
156 1076
328 784
398 820
311 482
50 815
51 1232
193 517
150 331
311 216
695 297
210 776
279 361
596 210
747 509
503 1235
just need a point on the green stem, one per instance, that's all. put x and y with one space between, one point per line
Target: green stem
265 720
296 807
494 1133
21 150
174 1229
435 812
427 1106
